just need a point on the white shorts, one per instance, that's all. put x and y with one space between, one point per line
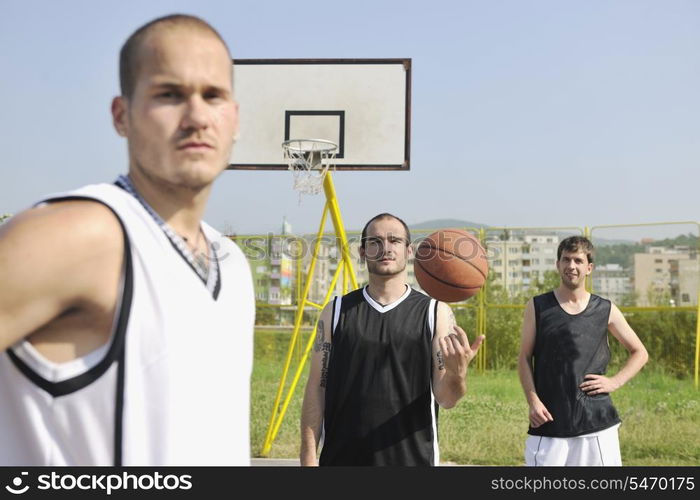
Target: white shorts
600 448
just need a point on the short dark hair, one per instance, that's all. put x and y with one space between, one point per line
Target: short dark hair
384 216
129 57
574 244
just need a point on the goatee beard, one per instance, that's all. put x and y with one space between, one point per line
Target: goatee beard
373 269
570 285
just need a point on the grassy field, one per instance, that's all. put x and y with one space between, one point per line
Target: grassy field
661 416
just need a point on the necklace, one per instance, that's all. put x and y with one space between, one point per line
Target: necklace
201 258
196 241
199 262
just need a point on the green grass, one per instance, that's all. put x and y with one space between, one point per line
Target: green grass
660 413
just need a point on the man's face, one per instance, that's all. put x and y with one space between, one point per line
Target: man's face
181 120
387 248
573 268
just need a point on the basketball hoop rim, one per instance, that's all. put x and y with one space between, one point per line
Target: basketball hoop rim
326 145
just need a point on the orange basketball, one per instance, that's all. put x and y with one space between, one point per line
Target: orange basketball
451 265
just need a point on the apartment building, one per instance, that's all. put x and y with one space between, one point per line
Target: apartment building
613 282
666 276
272 265
519 259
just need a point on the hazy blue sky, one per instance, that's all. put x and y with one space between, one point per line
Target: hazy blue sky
525 113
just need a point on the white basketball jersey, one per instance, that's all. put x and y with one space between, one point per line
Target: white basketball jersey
171 387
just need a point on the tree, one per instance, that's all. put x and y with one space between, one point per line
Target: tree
4 218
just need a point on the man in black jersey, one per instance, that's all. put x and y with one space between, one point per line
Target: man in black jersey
563 358
386 356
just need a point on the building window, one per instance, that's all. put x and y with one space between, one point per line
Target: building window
513 250
549 262
497 262
658 261
685 297
512 263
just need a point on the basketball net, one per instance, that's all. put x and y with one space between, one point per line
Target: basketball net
309 161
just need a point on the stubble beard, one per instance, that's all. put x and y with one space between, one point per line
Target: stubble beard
571 285
163 185
374 268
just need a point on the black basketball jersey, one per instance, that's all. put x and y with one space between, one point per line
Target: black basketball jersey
567 347
379 405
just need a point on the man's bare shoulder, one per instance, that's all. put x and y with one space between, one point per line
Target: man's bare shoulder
66 245
444 308
55 258
71 224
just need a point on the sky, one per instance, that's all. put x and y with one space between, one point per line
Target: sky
524 113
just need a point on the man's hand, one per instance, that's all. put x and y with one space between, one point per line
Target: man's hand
455 351
539 414
598 384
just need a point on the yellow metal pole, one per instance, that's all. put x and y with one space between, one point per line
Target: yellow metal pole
697 330
697 342
589 279
267 444
329 189
346 263
481 316
346 277
300 263
298 247
300 368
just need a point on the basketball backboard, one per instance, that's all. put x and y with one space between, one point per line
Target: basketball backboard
362 105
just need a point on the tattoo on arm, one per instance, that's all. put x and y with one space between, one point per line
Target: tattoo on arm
318 343
441 361
319 346
326 348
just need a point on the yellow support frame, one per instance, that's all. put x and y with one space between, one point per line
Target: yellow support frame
349 279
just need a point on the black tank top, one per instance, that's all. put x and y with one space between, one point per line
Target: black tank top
379 406
568 347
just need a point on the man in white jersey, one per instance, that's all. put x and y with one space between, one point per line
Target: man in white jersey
565 333
126 322
386 356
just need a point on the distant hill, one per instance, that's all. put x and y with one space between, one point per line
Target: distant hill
610 250
445 223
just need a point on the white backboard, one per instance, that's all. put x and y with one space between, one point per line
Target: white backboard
363 105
